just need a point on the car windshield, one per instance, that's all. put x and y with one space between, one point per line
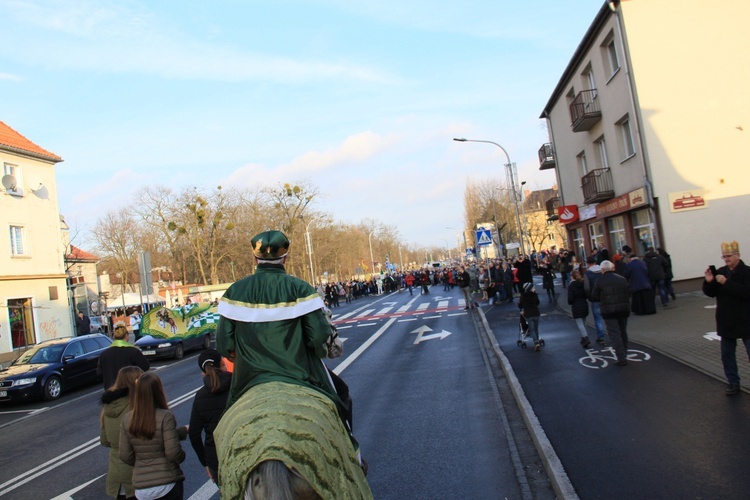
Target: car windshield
41 354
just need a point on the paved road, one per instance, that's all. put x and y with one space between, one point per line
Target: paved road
652 429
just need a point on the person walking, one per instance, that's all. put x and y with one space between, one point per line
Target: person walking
115 402
119 354
548 280
208 406
529 305
579 305
730 285
657 272
612 291
593 271
668 274
464 283
150 442
636 272
135 324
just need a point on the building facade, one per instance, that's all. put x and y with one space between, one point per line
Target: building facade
647 125
34 302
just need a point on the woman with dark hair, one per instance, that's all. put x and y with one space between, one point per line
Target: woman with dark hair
208 406
115 402
579 305
150 442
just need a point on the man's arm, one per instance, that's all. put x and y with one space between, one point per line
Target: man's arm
316 331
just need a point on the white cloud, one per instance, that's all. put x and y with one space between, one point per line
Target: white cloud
10 77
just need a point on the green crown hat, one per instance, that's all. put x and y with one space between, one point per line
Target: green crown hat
270 245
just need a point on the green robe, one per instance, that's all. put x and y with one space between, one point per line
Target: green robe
275 327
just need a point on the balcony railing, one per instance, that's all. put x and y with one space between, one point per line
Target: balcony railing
585 111
552 205
546 157
597 186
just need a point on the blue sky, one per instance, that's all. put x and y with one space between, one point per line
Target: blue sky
360 98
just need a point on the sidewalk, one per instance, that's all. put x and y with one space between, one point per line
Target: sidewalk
684 331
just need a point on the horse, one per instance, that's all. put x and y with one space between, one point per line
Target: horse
282 440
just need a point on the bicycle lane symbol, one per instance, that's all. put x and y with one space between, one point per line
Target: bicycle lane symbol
598 359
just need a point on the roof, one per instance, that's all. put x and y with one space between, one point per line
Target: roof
80 255
11 140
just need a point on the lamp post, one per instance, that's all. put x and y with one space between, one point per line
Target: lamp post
372 260
308 242
449 249
512 180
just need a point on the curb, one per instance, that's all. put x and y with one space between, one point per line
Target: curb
561 484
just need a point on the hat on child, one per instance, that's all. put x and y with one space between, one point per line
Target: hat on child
729 248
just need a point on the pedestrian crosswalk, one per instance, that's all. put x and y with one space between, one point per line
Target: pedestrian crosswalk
410 311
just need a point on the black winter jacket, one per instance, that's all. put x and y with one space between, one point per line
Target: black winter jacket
577 299
613 292
732 302
529 302
657 266
208 408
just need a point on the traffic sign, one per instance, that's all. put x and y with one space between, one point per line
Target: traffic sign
484 237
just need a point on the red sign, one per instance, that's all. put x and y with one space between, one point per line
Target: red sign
567 214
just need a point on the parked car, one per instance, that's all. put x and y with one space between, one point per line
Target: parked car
172 347
51 367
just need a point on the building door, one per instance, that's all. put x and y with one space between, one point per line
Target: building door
643 227
21 319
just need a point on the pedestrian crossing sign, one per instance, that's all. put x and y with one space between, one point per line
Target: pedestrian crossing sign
484 237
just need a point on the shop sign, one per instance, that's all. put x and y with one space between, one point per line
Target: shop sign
567 214
621 204
682 201
588 212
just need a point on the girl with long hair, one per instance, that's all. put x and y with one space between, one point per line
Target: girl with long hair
115 402
208 406
150 442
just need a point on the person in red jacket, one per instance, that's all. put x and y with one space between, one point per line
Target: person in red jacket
409 280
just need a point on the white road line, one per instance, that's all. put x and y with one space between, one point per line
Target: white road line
343 316
69 455
431 317
408 319
406 306
205 492
458 314
344 364
443 304
364 313
383 311
422 307
68 495
366 324
343 327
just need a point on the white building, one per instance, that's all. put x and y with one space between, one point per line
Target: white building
33 294
649 126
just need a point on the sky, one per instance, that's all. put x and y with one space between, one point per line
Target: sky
359 99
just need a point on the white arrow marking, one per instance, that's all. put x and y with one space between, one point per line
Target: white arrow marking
711 336
424 329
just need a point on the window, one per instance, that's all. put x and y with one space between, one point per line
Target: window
589 76
17 247
644 231
601 148
74 349
609 54
626 138
15 171
583 167
579 244
596 233
617 233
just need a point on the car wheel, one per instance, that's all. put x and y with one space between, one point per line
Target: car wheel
207 341
179 352
52 388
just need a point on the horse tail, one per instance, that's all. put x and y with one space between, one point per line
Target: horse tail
272 480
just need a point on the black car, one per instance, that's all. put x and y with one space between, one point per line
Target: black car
173 347
53 366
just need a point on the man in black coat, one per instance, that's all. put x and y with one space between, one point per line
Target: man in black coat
731 287
613 293
118 355
83 324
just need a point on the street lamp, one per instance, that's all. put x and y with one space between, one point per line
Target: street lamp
308 242
512 180
372 260
447 246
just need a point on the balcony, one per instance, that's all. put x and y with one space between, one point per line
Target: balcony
552 205
597 186
585 111
546 157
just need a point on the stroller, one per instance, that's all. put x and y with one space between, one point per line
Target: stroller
524 333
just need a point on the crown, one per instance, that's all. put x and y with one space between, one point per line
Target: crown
729 248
